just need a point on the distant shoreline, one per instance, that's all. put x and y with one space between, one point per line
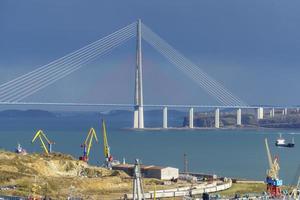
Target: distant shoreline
206 128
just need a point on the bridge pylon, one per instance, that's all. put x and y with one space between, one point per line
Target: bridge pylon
138 117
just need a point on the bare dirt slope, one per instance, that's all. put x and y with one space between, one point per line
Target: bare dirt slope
58 175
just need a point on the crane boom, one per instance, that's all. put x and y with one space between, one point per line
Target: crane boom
106 149
90 136
46 138
40 134
36 135
269 154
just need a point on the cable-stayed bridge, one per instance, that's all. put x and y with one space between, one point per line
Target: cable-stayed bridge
16 91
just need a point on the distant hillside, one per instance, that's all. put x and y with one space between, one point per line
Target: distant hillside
82 114
26 114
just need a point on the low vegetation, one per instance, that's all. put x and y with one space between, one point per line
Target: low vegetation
244 188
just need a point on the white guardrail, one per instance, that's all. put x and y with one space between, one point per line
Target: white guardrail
185 191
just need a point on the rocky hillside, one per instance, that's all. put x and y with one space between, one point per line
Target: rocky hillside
58 176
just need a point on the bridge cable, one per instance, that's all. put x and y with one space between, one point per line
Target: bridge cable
210 85
187 70
179 65
119 40
61 73
68 56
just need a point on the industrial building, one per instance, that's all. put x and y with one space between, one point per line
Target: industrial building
151 171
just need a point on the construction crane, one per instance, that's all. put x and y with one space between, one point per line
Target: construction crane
88 144
272 180
109 161
40 134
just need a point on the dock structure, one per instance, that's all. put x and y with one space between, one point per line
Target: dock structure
191 118
165 117
260 113
239 117
217 118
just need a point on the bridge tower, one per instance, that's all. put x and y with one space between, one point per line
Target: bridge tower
138 119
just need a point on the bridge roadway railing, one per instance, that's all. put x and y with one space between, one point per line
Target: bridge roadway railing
186 191
145 105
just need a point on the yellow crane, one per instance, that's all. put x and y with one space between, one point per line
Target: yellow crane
273 171
296 191
106 148
88 144
272 180
40 134
109 160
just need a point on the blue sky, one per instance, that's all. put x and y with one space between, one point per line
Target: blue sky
252 47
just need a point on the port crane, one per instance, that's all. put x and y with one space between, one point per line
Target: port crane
109 161
295 194
88 144
40 134
272 179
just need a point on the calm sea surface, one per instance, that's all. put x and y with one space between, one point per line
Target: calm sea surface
233 153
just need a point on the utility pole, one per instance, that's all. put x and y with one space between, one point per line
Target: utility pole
185 163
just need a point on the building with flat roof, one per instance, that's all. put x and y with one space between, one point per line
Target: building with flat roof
151 171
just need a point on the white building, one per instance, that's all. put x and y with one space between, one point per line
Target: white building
151 171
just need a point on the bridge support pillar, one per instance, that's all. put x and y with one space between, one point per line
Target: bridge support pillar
239 117
136 117
165 117
217 118
260 113
191 118
285 111
141 117
272 112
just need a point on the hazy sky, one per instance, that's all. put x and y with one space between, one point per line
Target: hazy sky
250 46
